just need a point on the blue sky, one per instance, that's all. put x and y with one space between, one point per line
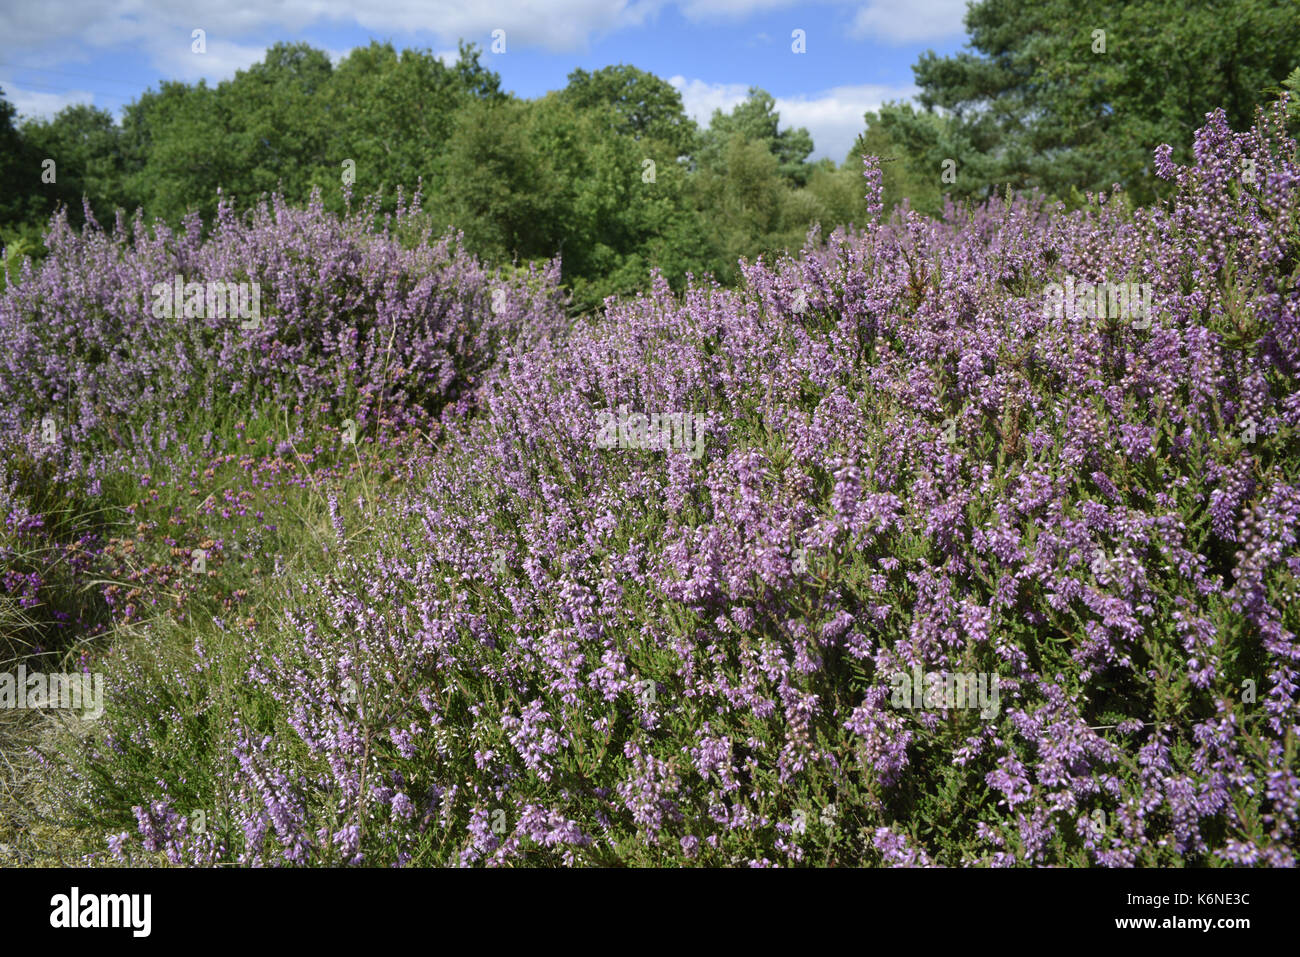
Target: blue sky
859 52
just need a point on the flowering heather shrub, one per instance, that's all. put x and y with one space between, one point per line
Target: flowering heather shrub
549 650
101 396
353 321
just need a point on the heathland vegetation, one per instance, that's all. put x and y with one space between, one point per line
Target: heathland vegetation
873 518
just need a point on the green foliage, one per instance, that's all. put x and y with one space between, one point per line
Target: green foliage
645 107
24 198
170 146
276 129
756 119
836 193
17 245
750 201
495 186
86 147
290 122
394 115
1037 102
1292 86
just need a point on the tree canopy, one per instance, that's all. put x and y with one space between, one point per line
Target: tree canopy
1076 94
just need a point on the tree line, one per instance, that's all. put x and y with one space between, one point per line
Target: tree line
1064 96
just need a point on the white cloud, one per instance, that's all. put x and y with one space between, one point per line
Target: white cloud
909 21
700 99
34 104
220 61
833 117
160 30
